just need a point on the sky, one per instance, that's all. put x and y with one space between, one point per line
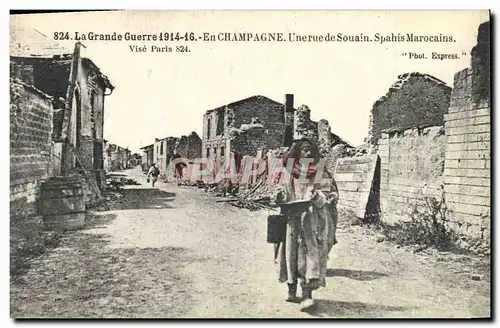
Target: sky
166 94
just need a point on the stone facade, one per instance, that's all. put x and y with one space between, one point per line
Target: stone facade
106 157
467 174
30 145
78 104
354 176
163 151
321 133
324 134
411 169
135 160
147 156
303 126
118 158
189 147
219 123
450 162
415 100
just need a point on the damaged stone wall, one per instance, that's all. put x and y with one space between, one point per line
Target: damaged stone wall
303 126
117 157
354 177
212 143
415 100
160 154
91 93
49 75
249 138
468 149
237 114
331 146
335 153
411 169
189 146
170 148
30 145
86 94
324 134
269 112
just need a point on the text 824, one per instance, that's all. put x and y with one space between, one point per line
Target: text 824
61 36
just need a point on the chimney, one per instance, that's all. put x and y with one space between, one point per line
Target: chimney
289 118
289 103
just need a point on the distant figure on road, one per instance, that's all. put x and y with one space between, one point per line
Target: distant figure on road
179 168
310 233
153 172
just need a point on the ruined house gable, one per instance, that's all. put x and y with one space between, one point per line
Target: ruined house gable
51 76
481 65
188 146
239 103
219 122
96 78
257 106
241 112
414 100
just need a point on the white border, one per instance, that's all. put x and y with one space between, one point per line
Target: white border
186 5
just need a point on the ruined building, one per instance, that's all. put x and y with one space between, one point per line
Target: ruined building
135 160
77 88
106 156
467 163
431 154
221 123
31 146
187 147
245 127
147 157
413 100
163 151
438 145
117 158
56 121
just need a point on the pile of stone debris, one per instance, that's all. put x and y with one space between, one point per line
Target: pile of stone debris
189 183
261 193
111 195
117 184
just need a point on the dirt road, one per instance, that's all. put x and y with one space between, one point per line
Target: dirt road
177 252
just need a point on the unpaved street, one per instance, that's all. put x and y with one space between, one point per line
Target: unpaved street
177 252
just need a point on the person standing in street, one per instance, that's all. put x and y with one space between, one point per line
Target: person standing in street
302 257
153 173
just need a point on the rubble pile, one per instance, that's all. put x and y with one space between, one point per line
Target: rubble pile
110 195
189 183
252 205
261 193
222 188
332 155
113 183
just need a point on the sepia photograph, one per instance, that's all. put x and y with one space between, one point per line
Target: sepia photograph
210 164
